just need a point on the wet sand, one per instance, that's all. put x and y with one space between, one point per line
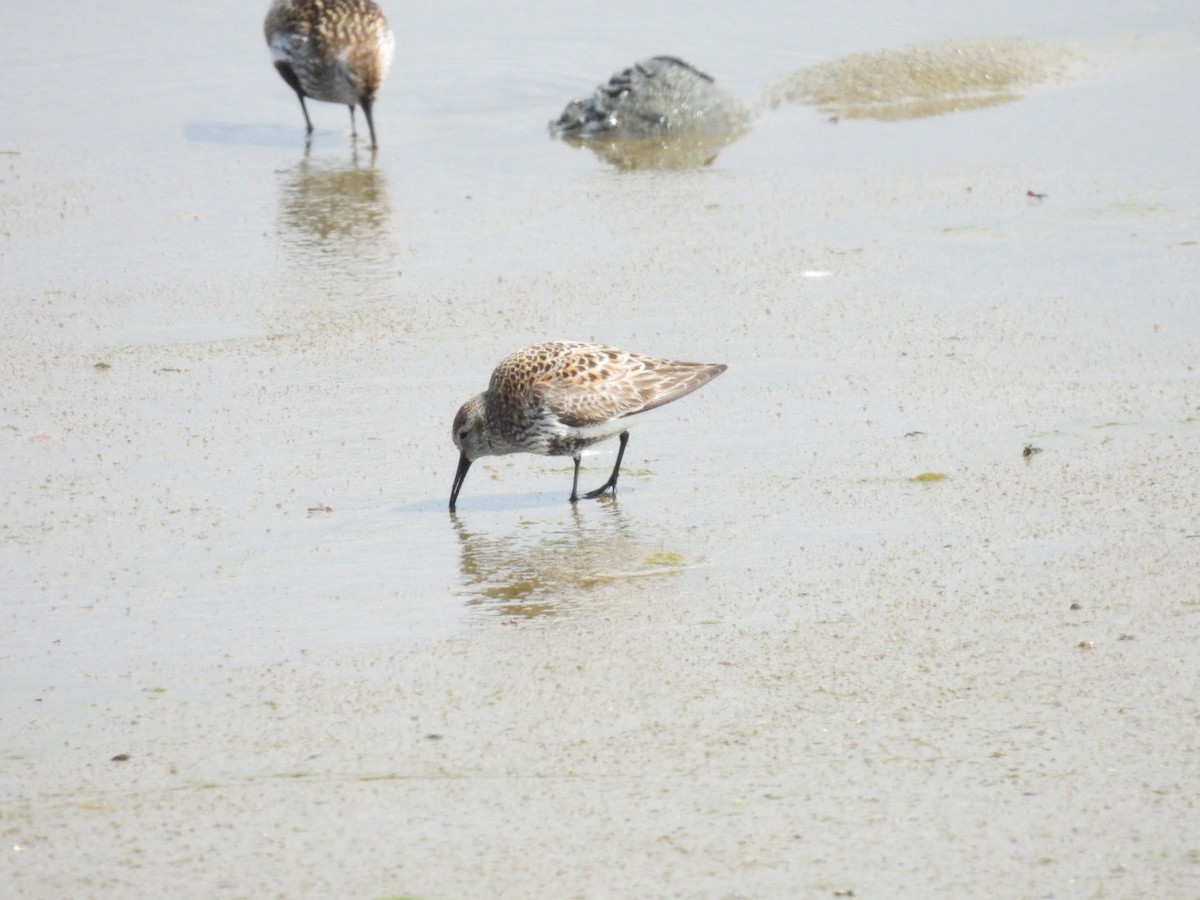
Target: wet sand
904 604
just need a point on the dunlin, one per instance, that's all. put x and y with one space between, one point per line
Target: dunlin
559 397
337 51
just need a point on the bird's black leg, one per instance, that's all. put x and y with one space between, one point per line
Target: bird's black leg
353 127
308 129
288 74
366 103
575 483
612 479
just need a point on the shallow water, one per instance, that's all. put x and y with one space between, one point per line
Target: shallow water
231 364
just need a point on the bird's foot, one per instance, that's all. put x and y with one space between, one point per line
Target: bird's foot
610 485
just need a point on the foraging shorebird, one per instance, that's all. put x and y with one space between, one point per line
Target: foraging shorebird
338 51
559 397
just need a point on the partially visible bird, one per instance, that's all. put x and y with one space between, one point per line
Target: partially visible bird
559 397
338 51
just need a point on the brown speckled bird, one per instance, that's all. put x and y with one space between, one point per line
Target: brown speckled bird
337 51
559 397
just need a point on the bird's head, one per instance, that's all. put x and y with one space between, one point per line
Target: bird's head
469 433
470 429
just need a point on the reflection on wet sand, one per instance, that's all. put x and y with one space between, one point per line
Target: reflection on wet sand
536 572
924 80
660 113
665 154
334 206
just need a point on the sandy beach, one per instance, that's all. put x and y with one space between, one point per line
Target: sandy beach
905 604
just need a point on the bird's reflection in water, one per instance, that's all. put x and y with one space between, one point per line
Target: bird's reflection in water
335 207
539 570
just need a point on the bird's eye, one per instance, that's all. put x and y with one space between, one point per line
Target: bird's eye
462 435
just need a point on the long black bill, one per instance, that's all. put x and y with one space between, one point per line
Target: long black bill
459 477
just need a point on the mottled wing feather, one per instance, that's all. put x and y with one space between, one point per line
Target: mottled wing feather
677 379
593 384
350 37
611 396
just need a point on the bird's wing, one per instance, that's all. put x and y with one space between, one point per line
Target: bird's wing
599 384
